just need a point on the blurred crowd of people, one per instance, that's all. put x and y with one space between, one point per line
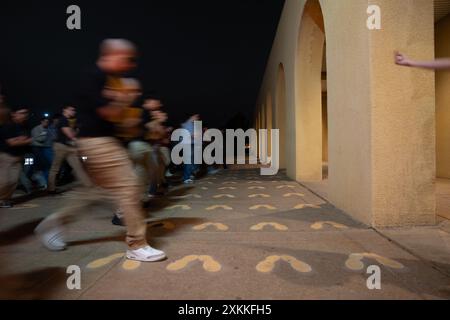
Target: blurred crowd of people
43 155
114 140
38 158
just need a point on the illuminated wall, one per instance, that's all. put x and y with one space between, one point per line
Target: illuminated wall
381 117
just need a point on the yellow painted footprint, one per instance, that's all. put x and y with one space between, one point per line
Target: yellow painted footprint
298 265
355 261
182 263
319 225
268 264
259 195
286 186
228 188
262 225
209 264
219 196
216 207
218 226
262 206
187 196
257 188
304 205
99 263
288 195
182 207
128 265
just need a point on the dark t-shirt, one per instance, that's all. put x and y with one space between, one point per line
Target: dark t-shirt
89 99
9 131
61 137
146 118
138 133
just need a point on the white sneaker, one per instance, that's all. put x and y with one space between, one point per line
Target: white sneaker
188 181
213 171
146 254
52 240
6 205
169 174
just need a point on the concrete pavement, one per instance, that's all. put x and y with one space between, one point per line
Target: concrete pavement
234 235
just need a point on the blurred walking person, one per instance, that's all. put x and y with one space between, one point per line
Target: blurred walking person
43 153
64 150
159 139
190 168
130 130
107 161
14 142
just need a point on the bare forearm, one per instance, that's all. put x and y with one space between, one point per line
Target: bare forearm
19 141
69 133
438 64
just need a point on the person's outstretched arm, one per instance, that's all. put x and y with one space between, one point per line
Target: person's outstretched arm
438 64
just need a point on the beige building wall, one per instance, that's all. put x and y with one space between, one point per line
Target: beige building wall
381 144
442 39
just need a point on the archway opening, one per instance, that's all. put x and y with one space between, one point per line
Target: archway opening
280 114
442 49
311 119
269 123
324 117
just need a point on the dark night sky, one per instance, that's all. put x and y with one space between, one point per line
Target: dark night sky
203 57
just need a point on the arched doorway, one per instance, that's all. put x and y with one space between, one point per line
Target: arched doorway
324 117
280 114
262 126
311 116
442 49
263 117
269 123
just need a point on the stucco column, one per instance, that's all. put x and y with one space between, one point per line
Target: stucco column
349 107
403 116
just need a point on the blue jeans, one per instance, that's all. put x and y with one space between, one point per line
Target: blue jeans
48 155
189 169
44 159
